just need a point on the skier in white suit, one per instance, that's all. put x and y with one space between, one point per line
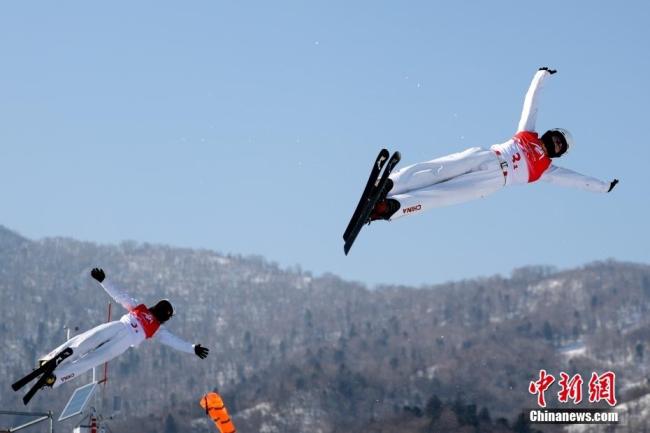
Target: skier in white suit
478 172
105 342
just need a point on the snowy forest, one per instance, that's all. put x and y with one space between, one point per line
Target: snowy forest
293 352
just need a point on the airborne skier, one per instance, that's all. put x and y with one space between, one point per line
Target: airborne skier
105 342
478 172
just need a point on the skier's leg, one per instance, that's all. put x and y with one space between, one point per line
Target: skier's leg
87 341
439 170
53 353
119 343
460 189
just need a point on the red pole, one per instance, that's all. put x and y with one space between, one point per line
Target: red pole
93 424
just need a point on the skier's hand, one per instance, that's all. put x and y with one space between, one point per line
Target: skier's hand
550 71
612 185
200 351
98 274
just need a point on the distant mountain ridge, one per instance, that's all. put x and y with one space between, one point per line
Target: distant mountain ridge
323 352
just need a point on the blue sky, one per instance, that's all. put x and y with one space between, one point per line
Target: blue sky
249 127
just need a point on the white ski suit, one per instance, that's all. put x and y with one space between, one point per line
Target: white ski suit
105 342
478 172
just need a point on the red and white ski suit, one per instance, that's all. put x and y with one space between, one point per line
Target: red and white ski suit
106 341
478 172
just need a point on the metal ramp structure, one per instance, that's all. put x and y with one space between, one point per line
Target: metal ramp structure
76 405
80 398
40 417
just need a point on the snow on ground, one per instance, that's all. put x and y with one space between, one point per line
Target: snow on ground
574 349
635 413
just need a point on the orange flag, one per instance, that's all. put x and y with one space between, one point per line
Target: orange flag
215 409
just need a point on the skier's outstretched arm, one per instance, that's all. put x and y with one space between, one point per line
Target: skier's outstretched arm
171 340
118 296
569 178
531 101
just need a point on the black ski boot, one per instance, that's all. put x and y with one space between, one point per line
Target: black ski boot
384 209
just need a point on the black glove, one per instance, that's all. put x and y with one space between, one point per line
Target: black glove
612 185
98 274
550 71
200 351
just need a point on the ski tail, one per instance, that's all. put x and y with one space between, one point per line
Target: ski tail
378 192
381 159
47 369
32 391
26 379
49 365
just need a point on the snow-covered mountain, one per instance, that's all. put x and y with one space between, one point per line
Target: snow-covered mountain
293 352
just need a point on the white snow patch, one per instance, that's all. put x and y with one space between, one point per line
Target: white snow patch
260 279
630 413
428 373
574 349
221 324
263 409
546 286
268 428
431 371
202 423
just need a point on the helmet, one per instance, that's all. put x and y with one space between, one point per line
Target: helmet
162 311
566 137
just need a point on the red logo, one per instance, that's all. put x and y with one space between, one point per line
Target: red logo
571 388
601 388
540 386
412 209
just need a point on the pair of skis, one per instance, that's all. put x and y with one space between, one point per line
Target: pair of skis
44 371
376 189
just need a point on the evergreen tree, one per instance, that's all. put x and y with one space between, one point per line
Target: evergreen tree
170 424
433 408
